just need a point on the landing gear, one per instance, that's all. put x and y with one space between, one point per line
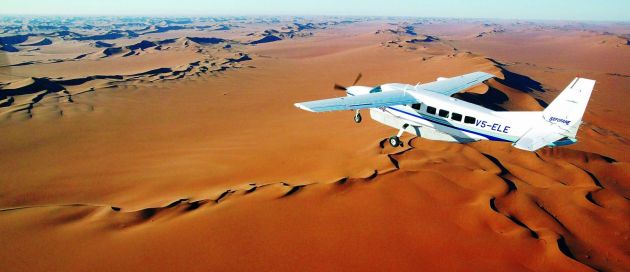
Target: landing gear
395 140
357 117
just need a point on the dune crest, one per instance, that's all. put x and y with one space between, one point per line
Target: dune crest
151 144
516 199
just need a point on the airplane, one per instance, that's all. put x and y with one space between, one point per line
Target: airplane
428 111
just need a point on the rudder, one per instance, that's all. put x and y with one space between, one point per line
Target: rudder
561 119
567 109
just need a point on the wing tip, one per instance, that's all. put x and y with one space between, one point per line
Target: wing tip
302 107
488 75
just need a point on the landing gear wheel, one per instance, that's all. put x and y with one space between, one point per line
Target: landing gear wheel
394 141
357 118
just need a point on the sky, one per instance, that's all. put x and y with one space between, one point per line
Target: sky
581 10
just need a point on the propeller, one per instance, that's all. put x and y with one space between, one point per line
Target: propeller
340 87
359 76
344 88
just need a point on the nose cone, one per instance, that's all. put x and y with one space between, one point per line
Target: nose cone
358 90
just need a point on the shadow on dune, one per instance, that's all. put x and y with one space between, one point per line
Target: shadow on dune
242 57
187 40
42 42
516 81
160 29
427 39
111 51
79 81
490 99
520 82
100 44
507 91
538 198
8 48
111 35
266 39
144 44
37 85
5 69
16 39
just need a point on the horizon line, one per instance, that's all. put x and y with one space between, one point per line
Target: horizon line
87 15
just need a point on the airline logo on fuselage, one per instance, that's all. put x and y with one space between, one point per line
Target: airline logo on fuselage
559 120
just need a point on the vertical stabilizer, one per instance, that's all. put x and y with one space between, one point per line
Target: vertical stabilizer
561 119
567 109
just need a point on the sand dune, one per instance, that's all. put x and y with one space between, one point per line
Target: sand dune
427 38
266 39
110 35
39 42
110 51
401 29
480 186
101 44
186 57
160 29
144 44
15 39
188 154
8 48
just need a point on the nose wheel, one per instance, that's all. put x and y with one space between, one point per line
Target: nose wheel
357 117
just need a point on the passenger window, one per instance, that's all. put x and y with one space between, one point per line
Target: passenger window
415 106
431 110
456 116
443 113
469 120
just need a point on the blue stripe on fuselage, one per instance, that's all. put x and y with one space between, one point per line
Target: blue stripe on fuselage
490 137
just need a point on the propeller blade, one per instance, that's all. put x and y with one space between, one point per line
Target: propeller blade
359 76
339 87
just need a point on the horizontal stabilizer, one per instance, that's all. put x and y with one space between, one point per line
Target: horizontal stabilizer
538 137
364 101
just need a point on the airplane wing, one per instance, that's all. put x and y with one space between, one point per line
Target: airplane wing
453 85
363 101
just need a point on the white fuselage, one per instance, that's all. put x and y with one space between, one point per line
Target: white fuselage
445 118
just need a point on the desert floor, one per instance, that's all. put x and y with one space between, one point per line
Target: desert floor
144 145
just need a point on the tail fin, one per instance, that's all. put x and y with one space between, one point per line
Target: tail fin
561 119
567 109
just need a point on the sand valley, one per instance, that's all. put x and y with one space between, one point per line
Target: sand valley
144 144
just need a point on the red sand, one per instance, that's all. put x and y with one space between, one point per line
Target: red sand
217 170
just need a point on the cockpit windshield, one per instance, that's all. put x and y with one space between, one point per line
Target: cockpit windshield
376 89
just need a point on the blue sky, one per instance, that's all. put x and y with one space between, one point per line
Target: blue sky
597 10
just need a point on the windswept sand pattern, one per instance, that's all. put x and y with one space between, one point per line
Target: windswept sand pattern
179 147
566 203
20 97
150 58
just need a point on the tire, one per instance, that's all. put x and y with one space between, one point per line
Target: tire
358 118
394 141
